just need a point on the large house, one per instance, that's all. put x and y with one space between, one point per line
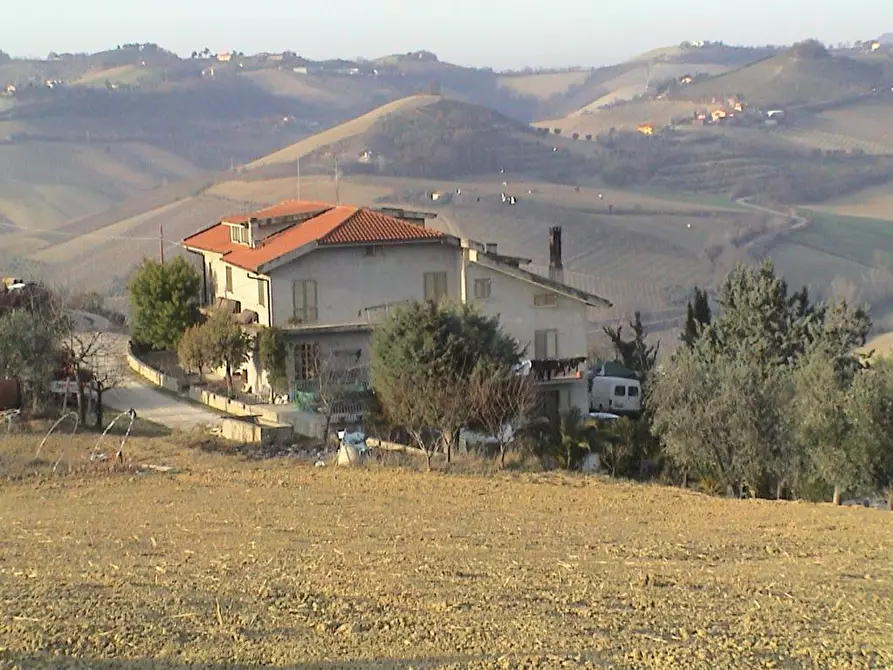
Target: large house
327 274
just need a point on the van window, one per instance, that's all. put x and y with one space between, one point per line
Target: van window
620 391
633 392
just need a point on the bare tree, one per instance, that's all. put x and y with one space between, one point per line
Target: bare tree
335 384
504 402
94 365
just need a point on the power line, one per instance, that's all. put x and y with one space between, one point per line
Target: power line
26 232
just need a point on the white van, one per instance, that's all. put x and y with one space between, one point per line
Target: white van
615 394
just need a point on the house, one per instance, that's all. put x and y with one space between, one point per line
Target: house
9 89
875 46
224 57
719 115
300 69
364 156
646 129
686 79
327 274
776 114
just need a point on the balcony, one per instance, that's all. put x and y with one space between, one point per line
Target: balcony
378 313
556 370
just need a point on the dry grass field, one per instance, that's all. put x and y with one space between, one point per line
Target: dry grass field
229 562
873 203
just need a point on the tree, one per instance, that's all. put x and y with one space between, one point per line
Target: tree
423 360
634 354
164 299
273 354
229 346
698 316
30 351
720 406
194 350
335 384
504 403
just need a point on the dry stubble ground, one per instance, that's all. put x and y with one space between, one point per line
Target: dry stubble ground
231 562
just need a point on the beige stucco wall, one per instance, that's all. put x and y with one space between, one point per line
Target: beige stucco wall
511 300
347 280
244 286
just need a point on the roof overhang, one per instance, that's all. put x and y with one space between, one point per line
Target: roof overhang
538 280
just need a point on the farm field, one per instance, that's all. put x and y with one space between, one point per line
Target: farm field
873 203
231 562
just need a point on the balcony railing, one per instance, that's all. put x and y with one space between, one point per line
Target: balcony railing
378 313
558 369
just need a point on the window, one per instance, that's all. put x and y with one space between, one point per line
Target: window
305 304
545 300
633 392
261 292
229 279
239 234
306 361
482 288
545 345
234 233
435 285
371 251
620 391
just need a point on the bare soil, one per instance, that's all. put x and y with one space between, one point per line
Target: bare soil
230 562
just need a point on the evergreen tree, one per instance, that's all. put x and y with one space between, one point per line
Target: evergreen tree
698 316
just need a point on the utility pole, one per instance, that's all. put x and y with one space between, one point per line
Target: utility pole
161 240
298 164
337 183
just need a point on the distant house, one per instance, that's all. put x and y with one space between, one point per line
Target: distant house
300 70
719 115
365 156
775 114
224 57
875 46
646 129
208 72
9 89
686 79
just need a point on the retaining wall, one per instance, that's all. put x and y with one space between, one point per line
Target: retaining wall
250 432
158 378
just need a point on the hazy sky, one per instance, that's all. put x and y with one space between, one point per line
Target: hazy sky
496 33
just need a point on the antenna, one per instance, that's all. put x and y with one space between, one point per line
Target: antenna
161 241
298 165
337 183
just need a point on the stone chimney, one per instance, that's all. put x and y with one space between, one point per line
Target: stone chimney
556 268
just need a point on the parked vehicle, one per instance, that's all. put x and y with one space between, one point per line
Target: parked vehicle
10 394
618 395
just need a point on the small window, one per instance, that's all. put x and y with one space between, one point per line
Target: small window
545 300
229 279
435 285
482 288
633 392
244 236
261 293
234 233
620 391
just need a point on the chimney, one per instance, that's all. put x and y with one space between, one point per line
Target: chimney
556 268
253 232
491 248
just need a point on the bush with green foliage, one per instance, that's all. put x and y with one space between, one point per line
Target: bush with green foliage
772 395
424 358
273 354
164 299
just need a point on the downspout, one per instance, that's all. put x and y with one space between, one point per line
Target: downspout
463 277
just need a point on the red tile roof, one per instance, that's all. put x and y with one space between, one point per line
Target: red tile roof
329 225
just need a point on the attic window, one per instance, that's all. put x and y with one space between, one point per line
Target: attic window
239 234
545 300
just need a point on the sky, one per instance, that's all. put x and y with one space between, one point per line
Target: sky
501 34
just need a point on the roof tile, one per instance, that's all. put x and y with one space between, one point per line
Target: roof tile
329 225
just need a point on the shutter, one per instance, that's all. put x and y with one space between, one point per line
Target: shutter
429 286
310 301
539 345
298 299
552 344
441 285
261 293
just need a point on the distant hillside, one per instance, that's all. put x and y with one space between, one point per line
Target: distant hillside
450 139
794 78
